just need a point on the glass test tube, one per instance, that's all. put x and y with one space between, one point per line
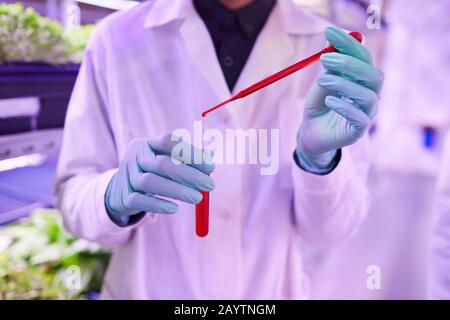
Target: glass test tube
202 208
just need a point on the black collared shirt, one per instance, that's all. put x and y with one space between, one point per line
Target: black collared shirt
233 32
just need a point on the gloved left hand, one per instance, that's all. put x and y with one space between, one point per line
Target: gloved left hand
341 106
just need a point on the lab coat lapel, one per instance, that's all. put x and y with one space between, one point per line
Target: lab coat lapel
273 51
201 52
277 47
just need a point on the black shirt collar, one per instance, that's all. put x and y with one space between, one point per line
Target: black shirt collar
250 18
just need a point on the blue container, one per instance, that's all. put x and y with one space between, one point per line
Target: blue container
429 137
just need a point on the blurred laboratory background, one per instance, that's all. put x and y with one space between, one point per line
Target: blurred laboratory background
41 47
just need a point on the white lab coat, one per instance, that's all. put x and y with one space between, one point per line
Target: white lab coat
152 69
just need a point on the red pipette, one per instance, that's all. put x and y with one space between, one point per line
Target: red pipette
280 74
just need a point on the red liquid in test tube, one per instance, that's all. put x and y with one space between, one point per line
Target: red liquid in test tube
202 216
202 210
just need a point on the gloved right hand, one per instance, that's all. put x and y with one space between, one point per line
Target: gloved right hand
148 171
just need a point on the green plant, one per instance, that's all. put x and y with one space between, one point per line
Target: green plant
27 36
38 257
79 37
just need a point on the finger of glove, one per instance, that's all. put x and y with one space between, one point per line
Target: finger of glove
182 151
346 44
364 98
147 203
178 172
151 183
353 69
132 202
358 120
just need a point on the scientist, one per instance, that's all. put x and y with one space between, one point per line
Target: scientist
153 69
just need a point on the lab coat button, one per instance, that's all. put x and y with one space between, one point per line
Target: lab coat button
228 61
230 21
249 30
225 215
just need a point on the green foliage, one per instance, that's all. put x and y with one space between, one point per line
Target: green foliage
38 256
79 37
27 36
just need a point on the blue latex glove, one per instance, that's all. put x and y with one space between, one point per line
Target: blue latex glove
148 172
341 106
